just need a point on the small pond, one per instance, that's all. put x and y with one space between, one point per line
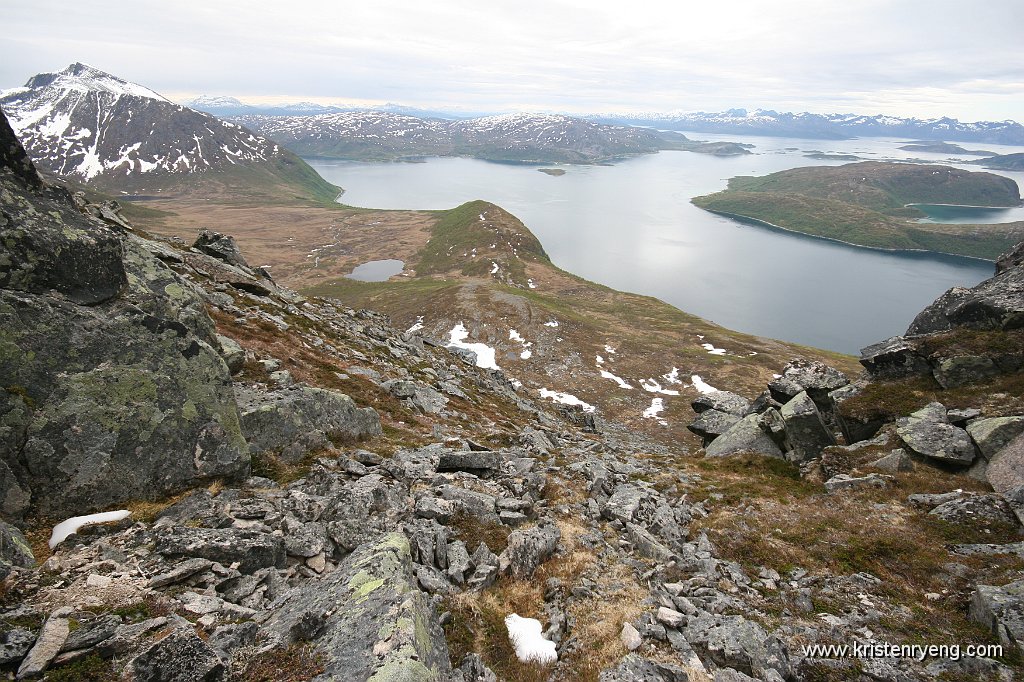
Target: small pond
377 270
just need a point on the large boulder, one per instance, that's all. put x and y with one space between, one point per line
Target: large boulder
992 435
14 550
928 432
298 419
114 386
722 401
1001 610
527 549
806 433
746 435
367 619
812 376
710 424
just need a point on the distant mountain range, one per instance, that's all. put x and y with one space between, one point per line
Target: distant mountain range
92 127
540 138
228 107
825 126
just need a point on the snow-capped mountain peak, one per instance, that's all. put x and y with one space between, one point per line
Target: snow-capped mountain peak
88 124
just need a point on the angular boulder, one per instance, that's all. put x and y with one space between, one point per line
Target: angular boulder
251 549
528 549
746 435
1001 610
812 376
723 401
806 433
894 358
298 419
992 435
711 424
367 619
14 550
928 432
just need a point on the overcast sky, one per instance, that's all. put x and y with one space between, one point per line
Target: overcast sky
900 57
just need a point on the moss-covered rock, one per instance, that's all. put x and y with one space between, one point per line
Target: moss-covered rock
113 385
367 619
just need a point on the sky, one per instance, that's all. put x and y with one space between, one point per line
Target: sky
899 57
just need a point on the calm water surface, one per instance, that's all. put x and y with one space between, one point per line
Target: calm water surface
376 270
631 226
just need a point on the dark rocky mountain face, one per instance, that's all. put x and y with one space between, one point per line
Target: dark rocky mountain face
87 125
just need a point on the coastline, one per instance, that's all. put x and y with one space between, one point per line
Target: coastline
765 223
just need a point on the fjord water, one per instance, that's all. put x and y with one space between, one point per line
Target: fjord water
631 226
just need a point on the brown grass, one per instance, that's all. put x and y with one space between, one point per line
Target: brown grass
472 530
294 663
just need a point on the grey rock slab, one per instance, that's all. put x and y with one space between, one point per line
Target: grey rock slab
529 548
483 464
843 482
232 352
90 633
1001 610
251 550
896 461
746 435
711 424
298 419
422 398
1005 471
630 637
181 656
992 435
723 401
961 370
806 433
14 644
14 549
181 572
992 508
734 642
928 432
634 668
367 619
51 638
894 358
627 503
996 303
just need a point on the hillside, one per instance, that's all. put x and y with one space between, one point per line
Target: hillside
1009 162
525 138
870 204
307 492
91 127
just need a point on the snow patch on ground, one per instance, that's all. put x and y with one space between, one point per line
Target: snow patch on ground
494 268
65 528
701 385
416 327
513 335
599 360
710 348
551 323
672 377
566 399
619 380
652 386
608 349
526 636
484 353
530 284
652 412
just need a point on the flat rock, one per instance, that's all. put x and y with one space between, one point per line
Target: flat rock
711 424
634 668
723 401
251 550
181 656
928 432
51 638
894 358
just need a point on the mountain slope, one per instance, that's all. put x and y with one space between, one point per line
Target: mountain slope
827 126
868 204
89 126
380 136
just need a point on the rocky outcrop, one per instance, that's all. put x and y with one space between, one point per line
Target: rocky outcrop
806 433
746 435
114 387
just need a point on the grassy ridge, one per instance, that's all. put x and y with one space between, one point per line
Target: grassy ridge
865 204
